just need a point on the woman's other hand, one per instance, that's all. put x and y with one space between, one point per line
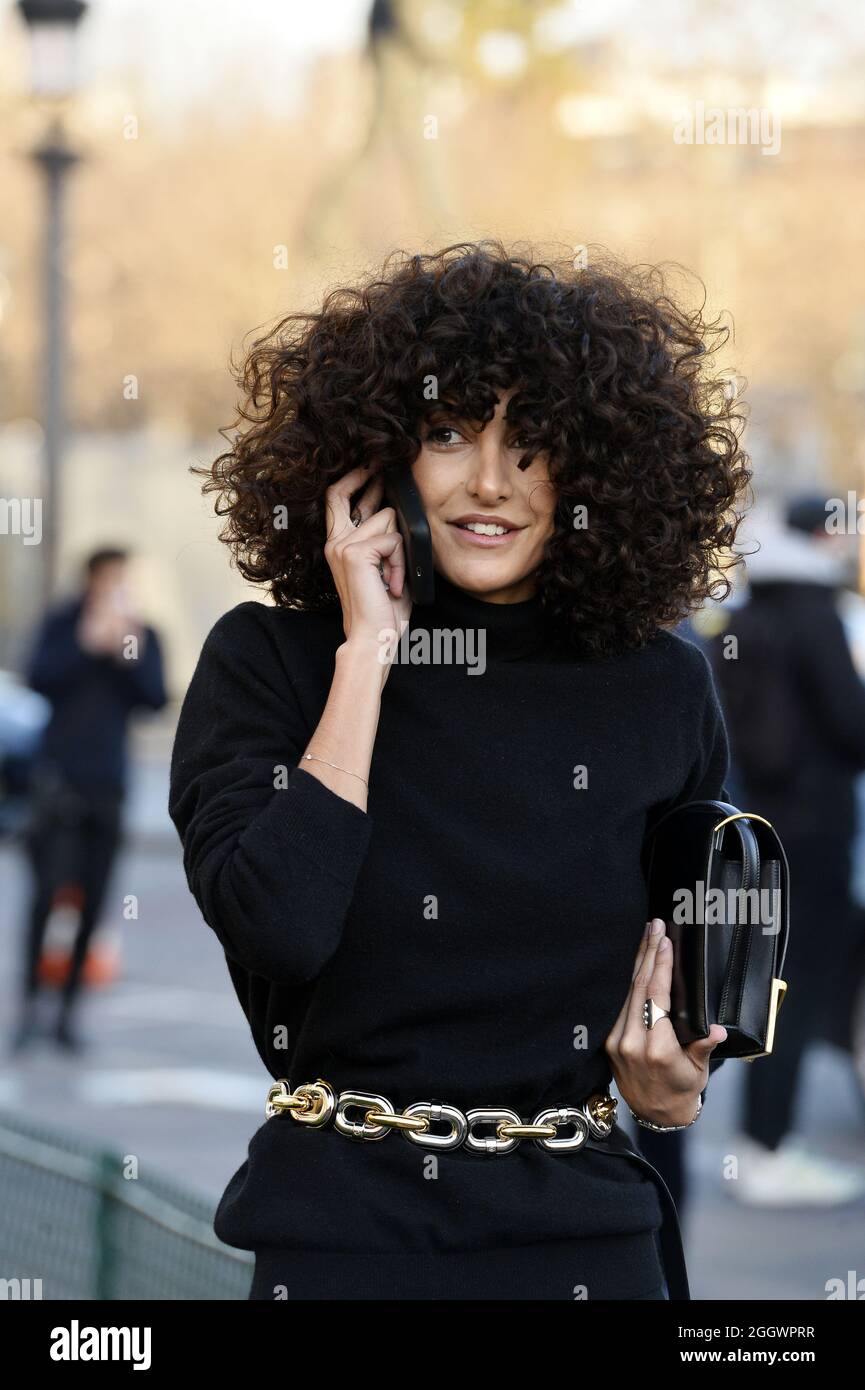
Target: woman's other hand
367 561
658 1078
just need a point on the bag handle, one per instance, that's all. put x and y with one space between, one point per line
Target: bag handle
748 841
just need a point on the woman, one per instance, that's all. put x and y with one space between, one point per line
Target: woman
422 858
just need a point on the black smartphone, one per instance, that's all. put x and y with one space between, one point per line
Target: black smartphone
401 493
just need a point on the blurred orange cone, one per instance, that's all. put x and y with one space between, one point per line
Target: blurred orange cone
102 962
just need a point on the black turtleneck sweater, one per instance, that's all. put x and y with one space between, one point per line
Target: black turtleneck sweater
470 938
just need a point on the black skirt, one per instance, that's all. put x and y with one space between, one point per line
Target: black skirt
591 1269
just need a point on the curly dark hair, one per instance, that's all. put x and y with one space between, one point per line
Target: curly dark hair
610 375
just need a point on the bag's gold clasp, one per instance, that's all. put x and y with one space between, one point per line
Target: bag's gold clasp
776 999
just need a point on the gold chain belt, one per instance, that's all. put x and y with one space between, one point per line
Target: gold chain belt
316 1103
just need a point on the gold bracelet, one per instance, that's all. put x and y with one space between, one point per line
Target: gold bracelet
312 757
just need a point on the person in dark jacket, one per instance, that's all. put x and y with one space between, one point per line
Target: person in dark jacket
795 711
96 662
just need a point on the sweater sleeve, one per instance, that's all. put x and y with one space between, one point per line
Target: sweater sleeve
710 769
707 755
271 856
711 765
715 767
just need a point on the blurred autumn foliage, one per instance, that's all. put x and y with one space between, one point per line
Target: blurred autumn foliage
454 121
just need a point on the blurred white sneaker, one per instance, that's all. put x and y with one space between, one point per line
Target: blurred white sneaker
791 1176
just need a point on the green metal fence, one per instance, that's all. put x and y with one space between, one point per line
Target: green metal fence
70 1217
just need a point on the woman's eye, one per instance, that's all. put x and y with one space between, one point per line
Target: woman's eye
449 434
435 434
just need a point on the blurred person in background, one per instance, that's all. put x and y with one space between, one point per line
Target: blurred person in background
795 711
95 661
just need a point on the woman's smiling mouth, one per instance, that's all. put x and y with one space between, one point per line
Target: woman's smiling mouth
485 530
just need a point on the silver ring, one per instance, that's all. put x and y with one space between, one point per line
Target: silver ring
355 520
652 1013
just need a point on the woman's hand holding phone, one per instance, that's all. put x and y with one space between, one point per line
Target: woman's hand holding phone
362 560
367 562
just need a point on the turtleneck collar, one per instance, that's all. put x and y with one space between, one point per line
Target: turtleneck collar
511 630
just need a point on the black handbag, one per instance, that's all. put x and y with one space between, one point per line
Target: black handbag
719 879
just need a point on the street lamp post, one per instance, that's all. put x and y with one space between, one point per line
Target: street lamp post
52 26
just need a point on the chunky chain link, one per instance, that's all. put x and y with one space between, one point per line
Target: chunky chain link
316 1103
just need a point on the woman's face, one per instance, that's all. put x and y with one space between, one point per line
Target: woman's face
469 476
